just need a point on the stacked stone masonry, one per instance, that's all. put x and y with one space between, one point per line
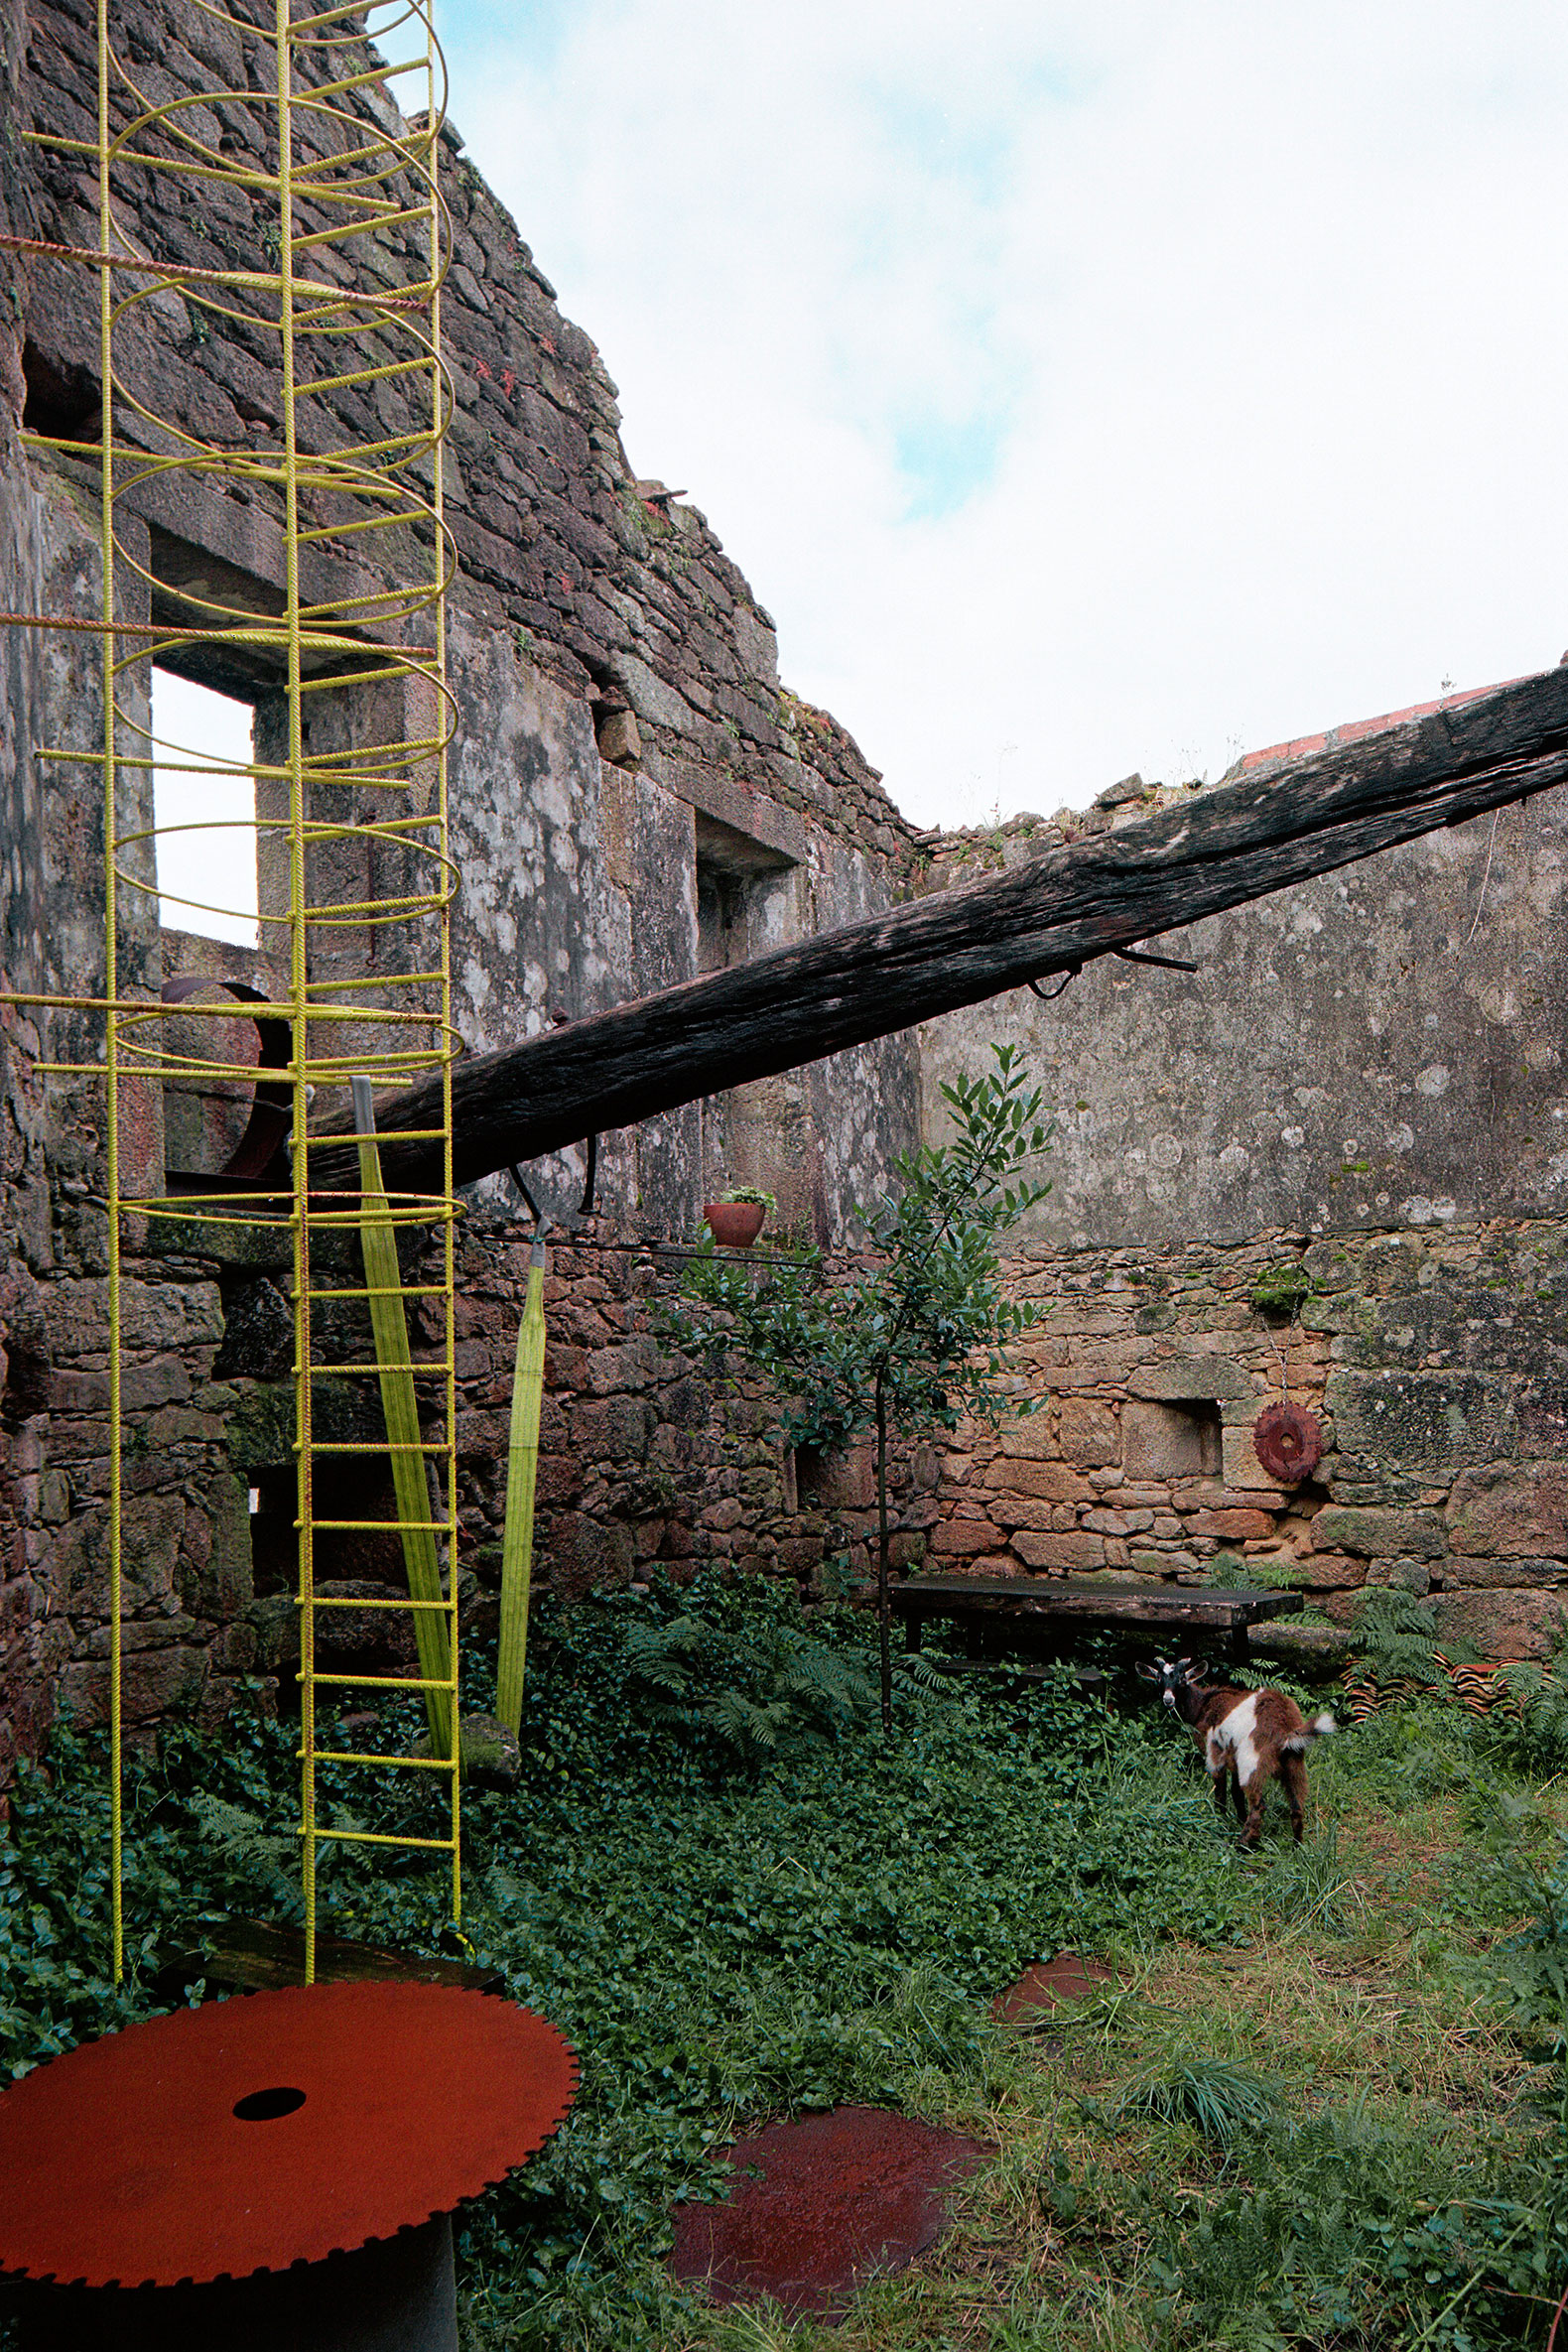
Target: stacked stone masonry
1435 1364
1363 1078
617 589
635 798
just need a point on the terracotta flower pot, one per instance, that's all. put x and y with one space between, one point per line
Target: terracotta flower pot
735 1224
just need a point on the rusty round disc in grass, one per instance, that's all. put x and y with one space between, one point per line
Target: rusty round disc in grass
1070 1976
832 2198
250 2135
1288 1442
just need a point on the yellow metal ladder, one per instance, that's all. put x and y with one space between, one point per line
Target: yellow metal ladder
326 169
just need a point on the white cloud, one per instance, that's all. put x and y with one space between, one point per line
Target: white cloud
1081 389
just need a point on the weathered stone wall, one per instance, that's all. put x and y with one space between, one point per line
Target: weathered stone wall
1364 1074
1381 1047
1436 1361
30 1652
185 1543
641 1461
644 1461
634 796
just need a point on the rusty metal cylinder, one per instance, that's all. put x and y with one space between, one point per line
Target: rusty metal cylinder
396 2295
272 2174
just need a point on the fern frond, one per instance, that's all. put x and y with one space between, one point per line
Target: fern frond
249 1849
916 1668
746 1725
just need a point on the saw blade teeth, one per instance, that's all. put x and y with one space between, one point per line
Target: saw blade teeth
442 2091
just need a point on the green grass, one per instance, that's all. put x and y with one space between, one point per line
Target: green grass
1323 2104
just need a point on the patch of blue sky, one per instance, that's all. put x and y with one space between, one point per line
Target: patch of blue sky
976 156
970 144
945 461
478 35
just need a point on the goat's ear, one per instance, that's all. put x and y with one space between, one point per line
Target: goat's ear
1149 1674
1193 1673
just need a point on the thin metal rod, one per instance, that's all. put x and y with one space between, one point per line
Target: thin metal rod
112 989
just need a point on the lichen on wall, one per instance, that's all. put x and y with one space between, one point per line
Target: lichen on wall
1380 1047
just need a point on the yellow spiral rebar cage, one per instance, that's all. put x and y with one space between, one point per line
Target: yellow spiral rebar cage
350 833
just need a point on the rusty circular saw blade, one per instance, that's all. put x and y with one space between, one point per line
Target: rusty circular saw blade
126 2163
1288 1442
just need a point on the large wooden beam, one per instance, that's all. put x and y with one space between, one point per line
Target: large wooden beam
1217 850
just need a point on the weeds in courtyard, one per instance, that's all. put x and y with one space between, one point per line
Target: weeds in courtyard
1323 2106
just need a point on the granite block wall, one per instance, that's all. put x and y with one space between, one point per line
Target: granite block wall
627 762
1435 1361
1363 1078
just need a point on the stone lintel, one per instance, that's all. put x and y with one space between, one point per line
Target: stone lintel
1193 1379
754 832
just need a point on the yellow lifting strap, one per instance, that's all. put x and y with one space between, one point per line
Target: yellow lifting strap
522 1472
384 1290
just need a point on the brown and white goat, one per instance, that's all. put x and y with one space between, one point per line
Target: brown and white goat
1247 1736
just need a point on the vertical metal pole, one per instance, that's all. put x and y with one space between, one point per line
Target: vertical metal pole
298 973
449 1229
111 1058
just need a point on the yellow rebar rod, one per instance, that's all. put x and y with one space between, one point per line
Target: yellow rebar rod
111 1087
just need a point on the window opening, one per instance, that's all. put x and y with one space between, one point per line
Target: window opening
1205 1413
1172 1439
205 816
734 873
63 401
721 918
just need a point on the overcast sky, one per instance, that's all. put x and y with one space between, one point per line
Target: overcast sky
1084 385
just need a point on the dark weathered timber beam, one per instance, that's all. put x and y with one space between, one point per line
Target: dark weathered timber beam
867 980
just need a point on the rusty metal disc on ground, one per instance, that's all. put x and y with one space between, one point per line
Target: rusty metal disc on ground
838 2196
1288 1442
1069 1977
251 2135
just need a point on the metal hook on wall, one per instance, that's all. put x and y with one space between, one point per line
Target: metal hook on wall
529 1203
1126 954
1050 996
585 1205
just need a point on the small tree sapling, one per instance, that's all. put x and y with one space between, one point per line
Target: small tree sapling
911 1335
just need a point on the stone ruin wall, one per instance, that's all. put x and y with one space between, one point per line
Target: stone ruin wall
1352 1081
1432 1359
635 799
1363 1079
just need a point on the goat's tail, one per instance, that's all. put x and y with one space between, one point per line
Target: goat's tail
1318 1729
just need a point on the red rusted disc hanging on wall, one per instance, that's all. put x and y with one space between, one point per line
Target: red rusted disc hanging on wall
1288 1442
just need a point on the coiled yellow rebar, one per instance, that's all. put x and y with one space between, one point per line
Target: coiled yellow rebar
328 164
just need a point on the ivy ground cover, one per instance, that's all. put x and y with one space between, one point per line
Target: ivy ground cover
1317 2109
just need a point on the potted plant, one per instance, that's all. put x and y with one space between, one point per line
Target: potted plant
737 1217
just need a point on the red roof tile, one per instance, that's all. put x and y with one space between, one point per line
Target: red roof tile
1354 730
